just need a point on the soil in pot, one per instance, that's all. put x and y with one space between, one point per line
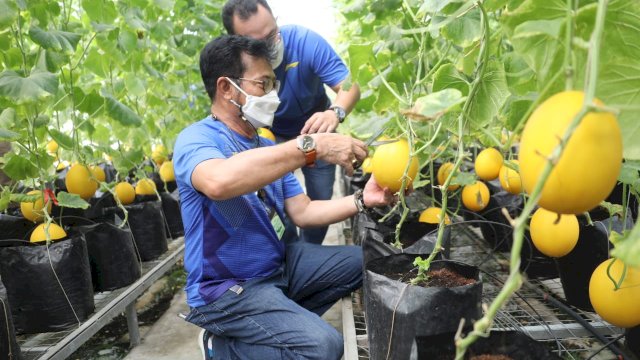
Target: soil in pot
414 311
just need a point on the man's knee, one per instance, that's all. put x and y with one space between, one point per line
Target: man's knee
328 345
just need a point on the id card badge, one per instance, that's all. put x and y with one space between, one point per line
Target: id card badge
276 222
278 226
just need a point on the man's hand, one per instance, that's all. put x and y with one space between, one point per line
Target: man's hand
375 196
340 150
321 122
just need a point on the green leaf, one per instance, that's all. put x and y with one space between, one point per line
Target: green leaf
463 31
71 200
534 10
64 140
619 84
491 95
514 111
8 135
8 13
97 63
120 112
436 104
520 77
541 46
5 199
38 86
134 85
91 103
627 247
100 11
20 168
165 4
448 77
630 173
63 41
8 117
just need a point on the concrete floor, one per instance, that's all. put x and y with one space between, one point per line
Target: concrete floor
172 338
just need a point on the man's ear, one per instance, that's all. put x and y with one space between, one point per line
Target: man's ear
224 88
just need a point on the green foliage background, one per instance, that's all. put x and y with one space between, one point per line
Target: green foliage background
101 77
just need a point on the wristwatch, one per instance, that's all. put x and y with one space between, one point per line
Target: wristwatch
340 112
307 145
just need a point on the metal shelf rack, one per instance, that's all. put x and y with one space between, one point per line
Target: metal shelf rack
60 345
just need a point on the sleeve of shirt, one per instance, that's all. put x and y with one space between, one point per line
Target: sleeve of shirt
291 186
325 62
191 149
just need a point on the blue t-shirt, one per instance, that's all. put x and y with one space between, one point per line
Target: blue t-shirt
231 241
308 63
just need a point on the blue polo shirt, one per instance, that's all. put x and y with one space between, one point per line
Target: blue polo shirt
231 241
309 62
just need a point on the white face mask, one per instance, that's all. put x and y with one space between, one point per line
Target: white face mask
258 110
277 53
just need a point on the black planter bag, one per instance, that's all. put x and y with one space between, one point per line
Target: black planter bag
100 209
147 225
359 226
632 340
377 243
37 301
499 236
420 311
498 232
14 227
9 349
513 344
591 250
171 209
355 182
112 256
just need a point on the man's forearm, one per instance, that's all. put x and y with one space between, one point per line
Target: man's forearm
323 212
347 99
247 171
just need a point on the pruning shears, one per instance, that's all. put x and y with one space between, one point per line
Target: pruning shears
371 141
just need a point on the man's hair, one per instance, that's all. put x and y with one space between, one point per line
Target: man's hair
243 9
223 57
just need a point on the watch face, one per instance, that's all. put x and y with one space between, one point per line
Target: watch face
306 143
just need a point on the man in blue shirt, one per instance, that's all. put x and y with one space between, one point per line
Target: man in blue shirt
303 62
259 297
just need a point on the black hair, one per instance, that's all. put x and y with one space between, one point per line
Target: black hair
222 56
243 8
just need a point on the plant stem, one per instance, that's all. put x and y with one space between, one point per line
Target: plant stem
514 281
480 69
568 63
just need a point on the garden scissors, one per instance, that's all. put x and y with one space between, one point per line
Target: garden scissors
371 141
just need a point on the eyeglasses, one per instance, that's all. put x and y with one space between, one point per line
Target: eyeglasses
267 84
273 37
